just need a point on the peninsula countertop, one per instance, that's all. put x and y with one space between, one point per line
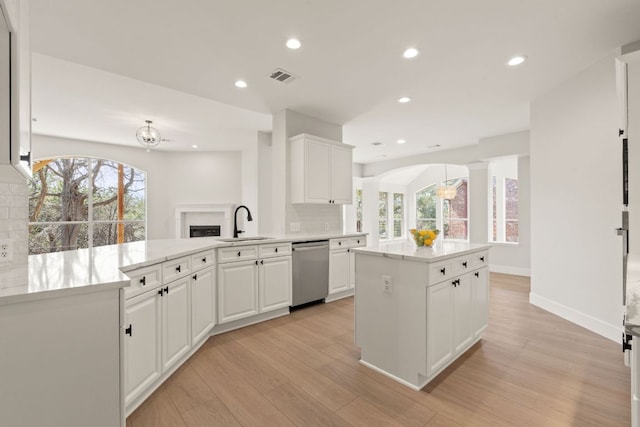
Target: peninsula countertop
103 267
407 250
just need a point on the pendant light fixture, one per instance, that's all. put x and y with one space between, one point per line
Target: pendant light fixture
446 191
147 136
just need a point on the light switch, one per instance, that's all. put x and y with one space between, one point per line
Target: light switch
6 250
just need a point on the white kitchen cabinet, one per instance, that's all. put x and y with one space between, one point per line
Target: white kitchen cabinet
15 85
203 303
321 170
237 290
176 333
274 283
142 344
431 307
256 284
342 264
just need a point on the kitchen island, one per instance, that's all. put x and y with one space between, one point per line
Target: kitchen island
418 310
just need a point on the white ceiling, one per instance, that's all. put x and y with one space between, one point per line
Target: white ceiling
175 63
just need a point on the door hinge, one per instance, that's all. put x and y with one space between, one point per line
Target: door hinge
626 342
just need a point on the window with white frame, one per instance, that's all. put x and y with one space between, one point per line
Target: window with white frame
383 220
398 215
449 216
504 209
80 202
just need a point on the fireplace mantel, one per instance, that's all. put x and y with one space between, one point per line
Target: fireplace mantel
183 211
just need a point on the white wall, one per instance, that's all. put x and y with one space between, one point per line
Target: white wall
576 201
265 188
172 177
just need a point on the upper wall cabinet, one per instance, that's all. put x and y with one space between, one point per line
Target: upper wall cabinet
15 85
321 170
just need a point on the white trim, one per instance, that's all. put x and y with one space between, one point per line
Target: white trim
507 269
579 318
393 377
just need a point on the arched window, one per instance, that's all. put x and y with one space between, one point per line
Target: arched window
80 202
426 208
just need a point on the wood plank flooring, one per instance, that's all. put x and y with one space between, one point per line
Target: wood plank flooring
530 369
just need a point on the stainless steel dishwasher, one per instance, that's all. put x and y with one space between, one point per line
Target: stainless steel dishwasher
310 271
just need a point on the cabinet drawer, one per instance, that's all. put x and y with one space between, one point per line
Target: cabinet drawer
274 249
347 242
237 253
462 264
479 259
202 260
440 271
142 280
176 268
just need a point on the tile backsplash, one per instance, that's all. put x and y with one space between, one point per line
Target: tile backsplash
314 217
14 217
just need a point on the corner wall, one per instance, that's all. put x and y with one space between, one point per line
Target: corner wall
576 257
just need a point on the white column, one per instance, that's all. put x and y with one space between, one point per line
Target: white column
370 188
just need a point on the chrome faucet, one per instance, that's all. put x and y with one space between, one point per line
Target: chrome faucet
235 220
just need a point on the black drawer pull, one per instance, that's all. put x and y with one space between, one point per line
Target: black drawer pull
161 292
358 241
262 261
464 264
166 290
443 270
256 262
239 253
204 260
129 331
195 277
339 243
482 258
476 274
143 281
276 250
178 269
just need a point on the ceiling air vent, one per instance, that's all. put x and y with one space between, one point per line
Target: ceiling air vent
282 76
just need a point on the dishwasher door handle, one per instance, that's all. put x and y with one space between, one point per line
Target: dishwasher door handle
309 248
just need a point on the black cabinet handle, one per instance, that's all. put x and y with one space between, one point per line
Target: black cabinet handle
256 262
178 269
358 241
238 253
262 261
464 264
348 250
443 270
476 274
339 243
276 250
195 277
204 260
143 281
129 331
161 292
482 258
456 283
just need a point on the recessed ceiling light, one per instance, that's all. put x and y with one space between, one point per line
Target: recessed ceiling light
404 100
516 60
401 141
241 84
410 53
293 44
194 146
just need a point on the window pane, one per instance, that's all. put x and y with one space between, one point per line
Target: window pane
495 225
398 214
456 229
105 191
511 231
510 198
426 208
382 214
359 210
58 191
459 203
57 237
107 233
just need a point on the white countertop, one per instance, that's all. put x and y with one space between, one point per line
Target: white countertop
104 267
632 308
407 250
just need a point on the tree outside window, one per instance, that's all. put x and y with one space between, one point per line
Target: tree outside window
511 209
382 214
359 210
426 208
81 202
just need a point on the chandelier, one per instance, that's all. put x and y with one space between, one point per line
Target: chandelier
147 136
444 191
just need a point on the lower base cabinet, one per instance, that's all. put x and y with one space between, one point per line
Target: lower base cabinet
176 325
203 304
274 276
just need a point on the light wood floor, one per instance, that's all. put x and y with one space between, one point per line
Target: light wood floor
530 369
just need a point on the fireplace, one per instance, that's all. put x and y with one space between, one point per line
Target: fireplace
204 230
216 218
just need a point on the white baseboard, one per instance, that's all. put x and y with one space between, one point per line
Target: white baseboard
579 318
517 271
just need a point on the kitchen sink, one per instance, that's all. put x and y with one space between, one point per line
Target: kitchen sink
245 239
